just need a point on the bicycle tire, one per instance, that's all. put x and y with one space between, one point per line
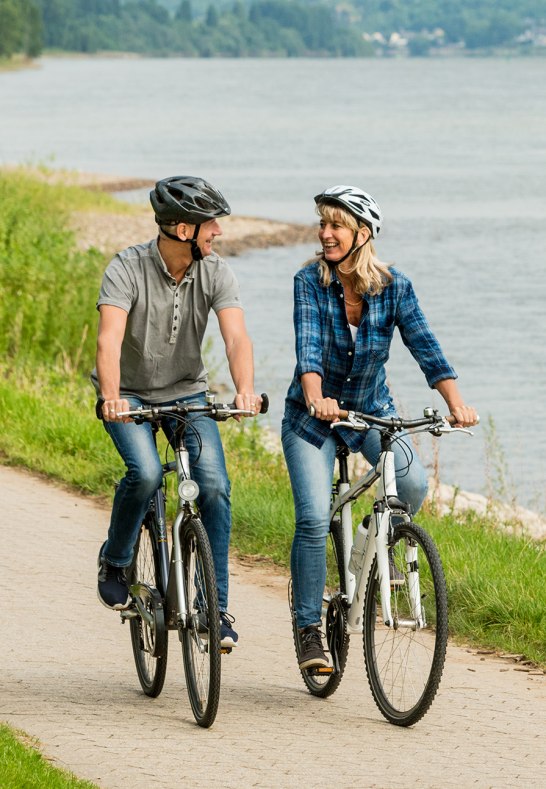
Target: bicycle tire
404 663
201 637
151 668
334 625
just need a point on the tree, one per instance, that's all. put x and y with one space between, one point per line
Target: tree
212 16
184 12
20 28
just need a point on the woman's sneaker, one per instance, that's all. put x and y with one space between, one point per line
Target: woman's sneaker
112 588
228 636
312 653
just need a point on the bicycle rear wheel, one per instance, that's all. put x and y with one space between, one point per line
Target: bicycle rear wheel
334 622
201 637
149 639
404 662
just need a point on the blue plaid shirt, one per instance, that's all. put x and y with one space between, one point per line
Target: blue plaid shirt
353 373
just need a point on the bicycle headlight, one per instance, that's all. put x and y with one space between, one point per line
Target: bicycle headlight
188 490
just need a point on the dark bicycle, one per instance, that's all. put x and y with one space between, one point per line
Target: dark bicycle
175 589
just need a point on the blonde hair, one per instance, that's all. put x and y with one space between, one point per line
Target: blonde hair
368 273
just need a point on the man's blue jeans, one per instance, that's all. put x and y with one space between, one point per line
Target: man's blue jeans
311 471
144 475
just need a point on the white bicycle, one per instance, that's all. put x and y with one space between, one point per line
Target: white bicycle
390 584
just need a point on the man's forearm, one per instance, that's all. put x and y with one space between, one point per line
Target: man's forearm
241 364
108 373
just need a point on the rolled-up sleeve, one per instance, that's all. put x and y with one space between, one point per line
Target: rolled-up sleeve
419 339
307 326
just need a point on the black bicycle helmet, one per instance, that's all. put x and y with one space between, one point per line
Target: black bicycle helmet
185 198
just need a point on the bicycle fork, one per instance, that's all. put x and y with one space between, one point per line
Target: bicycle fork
378 546
188 490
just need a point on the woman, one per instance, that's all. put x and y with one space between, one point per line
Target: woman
346 306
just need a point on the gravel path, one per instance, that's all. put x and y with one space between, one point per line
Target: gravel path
68 678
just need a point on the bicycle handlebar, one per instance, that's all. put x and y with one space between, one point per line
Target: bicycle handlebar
217 411
434 420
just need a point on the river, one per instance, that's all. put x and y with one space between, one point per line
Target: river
454 150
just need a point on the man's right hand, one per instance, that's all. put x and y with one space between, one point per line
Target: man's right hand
111 409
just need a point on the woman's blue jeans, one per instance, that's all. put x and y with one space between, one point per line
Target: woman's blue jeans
311 471
136 446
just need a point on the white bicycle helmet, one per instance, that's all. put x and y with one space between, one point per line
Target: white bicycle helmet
360 204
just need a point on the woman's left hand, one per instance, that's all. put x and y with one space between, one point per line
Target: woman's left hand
465 416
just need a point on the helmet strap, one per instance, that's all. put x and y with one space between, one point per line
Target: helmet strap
195 251
355 248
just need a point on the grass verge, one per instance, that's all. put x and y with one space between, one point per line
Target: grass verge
23 767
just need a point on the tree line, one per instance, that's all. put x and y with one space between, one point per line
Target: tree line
253 28
265 27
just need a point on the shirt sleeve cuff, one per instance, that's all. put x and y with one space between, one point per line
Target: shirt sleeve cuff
309 367
433 379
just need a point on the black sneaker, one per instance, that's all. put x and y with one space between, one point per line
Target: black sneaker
397 578
311 650
112 589
228 636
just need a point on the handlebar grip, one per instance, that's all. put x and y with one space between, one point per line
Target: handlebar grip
312 411
265 403
451 419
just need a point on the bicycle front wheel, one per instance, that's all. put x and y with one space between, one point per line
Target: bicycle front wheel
148 638
404 661
201 637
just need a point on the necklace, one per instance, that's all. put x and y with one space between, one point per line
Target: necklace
353 303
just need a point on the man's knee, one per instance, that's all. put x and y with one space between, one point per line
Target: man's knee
146 479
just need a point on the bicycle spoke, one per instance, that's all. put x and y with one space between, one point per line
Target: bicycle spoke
145 570
405 662
201 636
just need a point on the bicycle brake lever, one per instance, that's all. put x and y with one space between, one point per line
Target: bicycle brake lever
351 421
445 427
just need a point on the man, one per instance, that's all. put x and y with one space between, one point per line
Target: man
154 304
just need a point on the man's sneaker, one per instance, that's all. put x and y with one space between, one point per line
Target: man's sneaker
397 578
112 589
228 636
311 650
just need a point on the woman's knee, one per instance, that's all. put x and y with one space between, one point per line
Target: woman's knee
414 489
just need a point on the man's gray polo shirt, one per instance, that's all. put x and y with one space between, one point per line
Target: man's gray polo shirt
161 351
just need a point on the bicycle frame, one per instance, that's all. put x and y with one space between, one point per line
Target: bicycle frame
377 542
171 570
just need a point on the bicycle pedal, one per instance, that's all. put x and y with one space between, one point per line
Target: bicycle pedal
321 670
226 650
128 613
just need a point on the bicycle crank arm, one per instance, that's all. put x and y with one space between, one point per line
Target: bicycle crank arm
136 591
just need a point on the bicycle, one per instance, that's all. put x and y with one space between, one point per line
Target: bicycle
391 584
176 589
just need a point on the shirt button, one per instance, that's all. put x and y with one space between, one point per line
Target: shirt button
342 402
348 379
350 353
